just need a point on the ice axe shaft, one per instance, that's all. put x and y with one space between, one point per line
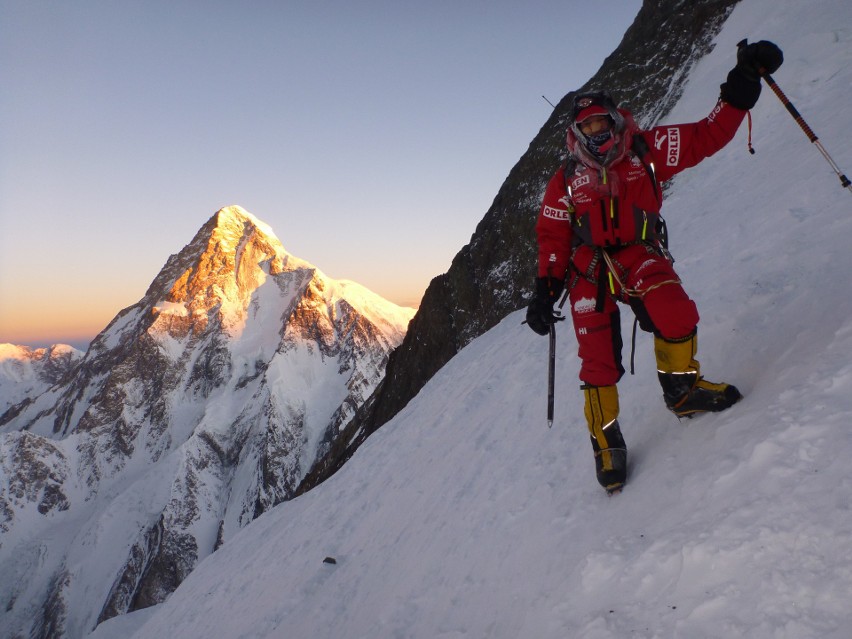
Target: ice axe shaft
551 361
804 126
551 375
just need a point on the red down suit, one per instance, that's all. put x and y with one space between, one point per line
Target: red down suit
598 230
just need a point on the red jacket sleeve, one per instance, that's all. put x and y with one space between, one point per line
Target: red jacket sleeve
676 147
553 229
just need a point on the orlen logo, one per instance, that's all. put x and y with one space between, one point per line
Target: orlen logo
584 305
555 214
674 146
580 181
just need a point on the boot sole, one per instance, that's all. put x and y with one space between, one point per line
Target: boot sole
614 489
730 399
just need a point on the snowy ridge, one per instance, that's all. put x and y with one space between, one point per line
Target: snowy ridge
27 372
195 410
466 517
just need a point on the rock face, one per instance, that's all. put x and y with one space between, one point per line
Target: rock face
493 275
193 412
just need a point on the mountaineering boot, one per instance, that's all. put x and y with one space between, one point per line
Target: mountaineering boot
601 412
685 391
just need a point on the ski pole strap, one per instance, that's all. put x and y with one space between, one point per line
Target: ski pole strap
633 347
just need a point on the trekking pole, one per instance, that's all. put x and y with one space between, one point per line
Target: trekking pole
804 126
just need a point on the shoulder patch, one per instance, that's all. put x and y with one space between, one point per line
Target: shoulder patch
555 214
673 154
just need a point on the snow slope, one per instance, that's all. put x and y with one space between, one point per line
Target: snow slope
466 517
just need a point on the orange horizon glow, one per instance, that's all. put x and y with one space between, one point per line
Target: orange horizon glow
35 317
54 321
37 333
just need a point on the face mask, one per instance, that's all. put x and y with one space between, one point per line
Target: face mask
600 143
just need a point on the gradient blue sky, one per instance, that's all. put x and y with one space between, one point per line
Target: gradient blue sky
371 136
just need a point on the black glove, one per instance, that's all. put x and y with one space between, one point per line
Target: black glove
758 58
540 311
743 84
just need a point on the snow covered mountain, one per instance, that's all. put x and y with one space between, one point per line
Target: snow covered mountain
27 372
465 516
194 411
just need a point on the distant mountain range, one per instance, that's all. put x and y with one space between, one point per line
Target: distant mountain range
27 372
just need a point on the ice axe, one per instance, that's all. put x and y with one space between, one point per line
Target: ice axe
844 181
551 364
551 375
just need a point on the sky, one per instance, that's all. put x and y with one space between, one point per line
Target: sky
371 136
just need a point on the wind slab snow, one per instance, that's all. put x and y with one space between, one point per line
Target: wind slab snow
466 517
